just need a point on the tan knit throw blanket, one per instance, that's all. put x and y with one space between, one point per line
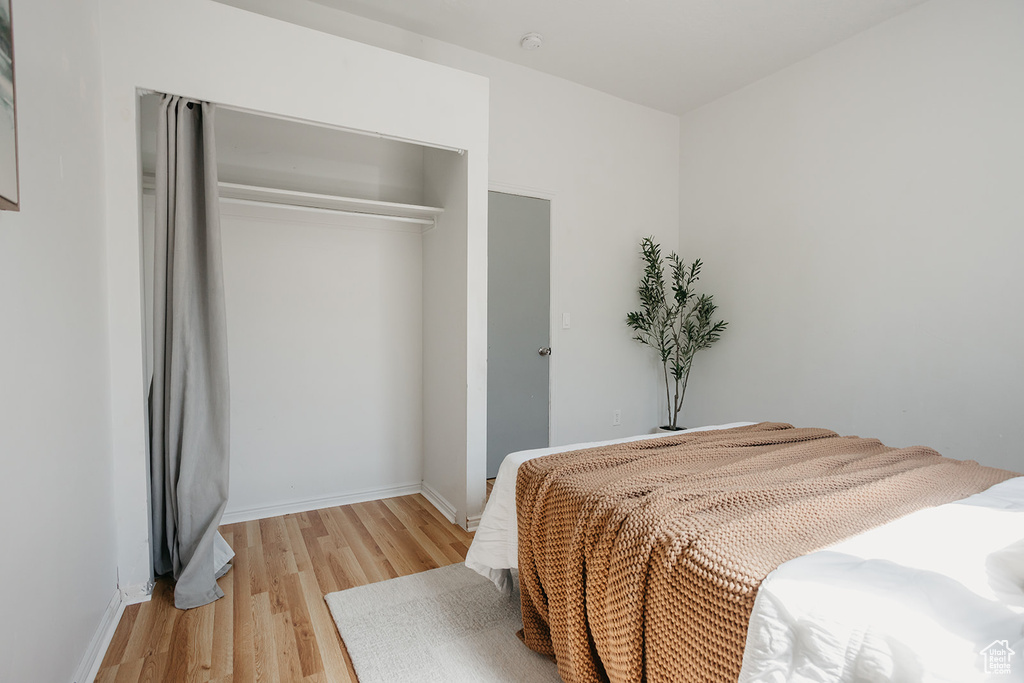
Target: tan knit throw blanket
641 561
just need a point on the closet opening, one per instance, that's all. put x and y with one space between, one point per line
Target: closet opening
342 258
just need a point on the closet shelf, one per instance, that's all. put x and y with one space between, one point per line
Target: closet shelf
407 213
412 213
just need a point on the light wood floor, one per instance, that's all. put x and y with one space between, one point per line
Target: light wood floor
272 623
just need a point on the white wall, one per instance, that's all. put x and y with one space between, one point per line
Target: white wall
325 352
860 215
56 515
611 170
258 150
444 339
251 62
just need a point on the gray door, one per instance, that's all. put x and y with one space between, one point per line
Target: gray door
518 274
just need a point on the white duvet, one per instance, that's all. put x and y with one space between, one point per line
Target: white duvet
937 595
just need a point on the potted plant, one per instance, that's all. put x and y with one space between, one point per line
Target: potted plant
673 320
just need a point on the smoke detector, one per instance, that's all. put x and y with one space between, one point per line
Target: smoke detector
531 41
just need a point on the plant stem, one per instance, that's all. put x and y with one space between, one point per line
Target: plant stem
668 396
677 406
681 395
677 352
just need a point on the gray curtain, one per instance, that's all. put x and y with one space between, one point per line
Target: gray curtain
189 390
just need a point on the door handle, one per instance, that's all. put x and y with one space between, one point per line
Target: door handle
544 350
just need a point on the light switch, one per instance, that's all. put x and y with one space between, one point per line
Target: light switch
565 321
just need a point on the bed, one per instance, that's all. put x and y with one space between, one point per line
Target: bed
948 577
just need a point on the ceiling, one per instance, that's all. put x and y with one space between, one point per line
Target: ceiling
672 55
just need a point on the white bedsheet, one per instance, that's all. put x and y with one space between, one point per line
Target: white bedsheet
915 600
494 551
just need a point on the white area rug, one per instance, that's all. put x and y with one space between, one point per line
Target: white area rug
447 624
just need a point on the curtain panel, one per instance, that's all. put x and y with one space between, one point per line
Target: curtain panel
189 401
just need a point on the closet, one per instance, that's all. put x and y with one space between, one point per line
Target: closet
338 252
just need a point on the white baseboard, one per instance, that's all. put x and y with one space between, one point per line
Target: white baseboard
90 664
473 522
291 507
439 501
142 592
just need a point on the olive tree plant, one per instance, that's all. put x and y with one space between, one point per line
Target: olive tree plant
673 319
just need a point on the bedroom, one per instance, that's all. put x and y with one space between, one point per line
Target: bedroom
884 170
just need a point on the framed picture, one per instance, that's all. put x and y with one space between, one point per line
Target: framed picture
8 114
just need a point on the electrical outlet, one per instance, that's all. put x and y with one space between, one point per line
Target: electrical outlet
616 417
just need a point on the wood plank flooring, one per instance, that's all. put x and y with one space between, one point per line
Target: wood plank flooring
272 623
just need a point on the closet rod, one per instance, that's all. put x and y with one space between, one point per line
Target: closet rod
316 209
321 124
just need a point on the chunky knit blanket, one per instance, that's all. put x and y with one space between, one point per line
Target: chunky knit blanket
641 561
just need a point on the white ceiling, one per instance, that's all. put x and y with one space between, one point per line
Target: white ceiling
673 55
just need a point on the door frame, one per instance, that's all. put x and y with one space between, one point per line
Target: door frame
549 196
